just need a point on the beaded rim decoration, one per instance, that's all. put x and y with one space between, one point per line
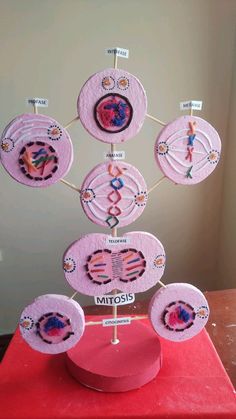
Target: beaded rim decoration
202 312
87 195
7 144
123 83
27 322
162 148
141 198
69 265
159 261
54 132
108 83
213 156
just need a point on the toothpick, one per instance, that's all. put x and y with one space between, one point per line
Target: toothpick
115 60
145 316
161 283
92 323
35 109
156 184
71 122
156 120
191 112
113 148
75 293
71 185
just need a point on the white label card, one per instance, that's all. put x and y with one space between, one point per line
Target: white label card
37 101
114 300
191 104
116 155
120 52
120 321
114 241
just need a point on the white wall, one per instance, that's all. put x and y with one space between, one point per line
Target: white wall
227 253
180 49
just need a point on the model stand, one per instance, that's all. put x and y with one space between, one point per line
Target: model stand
37 151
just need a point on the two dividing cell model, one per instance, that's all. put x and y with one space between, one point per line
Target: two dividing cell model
37 151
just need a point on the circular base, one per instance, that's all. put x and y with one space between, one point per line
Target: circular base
97 363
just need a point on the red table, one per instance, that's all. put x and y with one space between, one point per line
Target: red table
192 383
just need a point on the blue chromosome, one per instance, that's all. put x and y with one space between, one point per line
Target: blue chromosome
191 138
39 152
183 314
119 110
53 323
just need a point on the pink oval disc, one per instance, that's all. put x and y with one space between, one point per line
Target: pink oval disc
112 105
96 264
113 193
178 312
188 150
52 323
36 150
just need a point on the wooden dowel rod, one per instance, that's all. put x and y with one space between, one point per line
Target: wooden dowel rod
156 184
71 122
114 339
71 185
156 120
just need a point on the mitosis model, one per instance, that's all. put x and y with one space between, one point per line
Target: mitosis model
37 151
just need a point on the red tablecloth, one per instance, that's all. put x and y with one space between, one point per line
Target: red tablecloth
191 384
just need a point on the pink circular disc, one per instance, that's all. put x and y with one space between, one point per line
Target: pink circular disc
178 312
113 193
36 150
94 266
112 105
188 150
52 323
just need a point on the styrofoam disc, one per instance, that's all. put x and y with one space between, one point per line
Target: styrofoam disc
92 266
36 150
187 150
112 105
178 312
52 323
113 194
